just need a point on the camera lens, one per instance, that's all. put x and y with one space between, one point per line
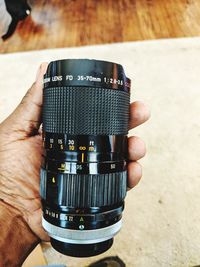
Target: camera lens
84 170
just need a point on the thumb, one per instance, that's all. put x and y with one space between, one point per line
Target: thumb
26 118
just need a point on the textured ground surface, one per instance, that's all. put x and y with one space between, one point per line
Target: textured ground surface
161 221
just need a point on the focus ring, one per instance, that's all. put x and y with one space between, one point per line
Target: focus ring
85 191
77 110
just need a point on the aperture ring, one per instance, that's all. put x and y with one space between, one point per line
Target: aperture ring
81 237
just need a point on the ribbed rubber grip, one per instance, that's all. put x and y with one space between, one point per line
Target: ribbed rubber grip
85 191
85 110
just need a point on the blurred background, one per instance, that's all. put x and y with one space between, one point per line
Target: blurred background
158 44
58 23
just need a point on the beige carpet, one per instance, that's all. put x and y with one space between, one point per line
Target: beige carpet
162 218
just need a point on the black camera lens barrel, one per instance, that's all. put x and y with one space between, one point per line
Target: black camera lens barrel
71 105
86 72
84 169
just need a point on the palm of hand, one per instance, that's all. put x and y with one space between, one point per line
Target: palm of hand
20 160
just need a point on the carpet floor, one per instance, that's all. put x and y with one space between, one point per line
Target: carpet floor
161 221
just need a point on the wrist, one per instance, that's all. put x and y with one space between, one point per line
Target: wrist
16 239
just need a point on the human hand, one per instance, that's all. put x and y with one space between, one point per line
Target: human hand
21 153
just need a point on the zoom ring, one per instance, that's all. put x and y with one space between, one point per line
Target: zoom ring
76 110
85 191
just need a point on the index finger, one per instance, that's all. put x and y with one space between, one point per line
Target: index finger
139 113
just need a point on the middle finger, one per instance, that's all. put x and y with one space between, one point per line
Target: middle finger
136 148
